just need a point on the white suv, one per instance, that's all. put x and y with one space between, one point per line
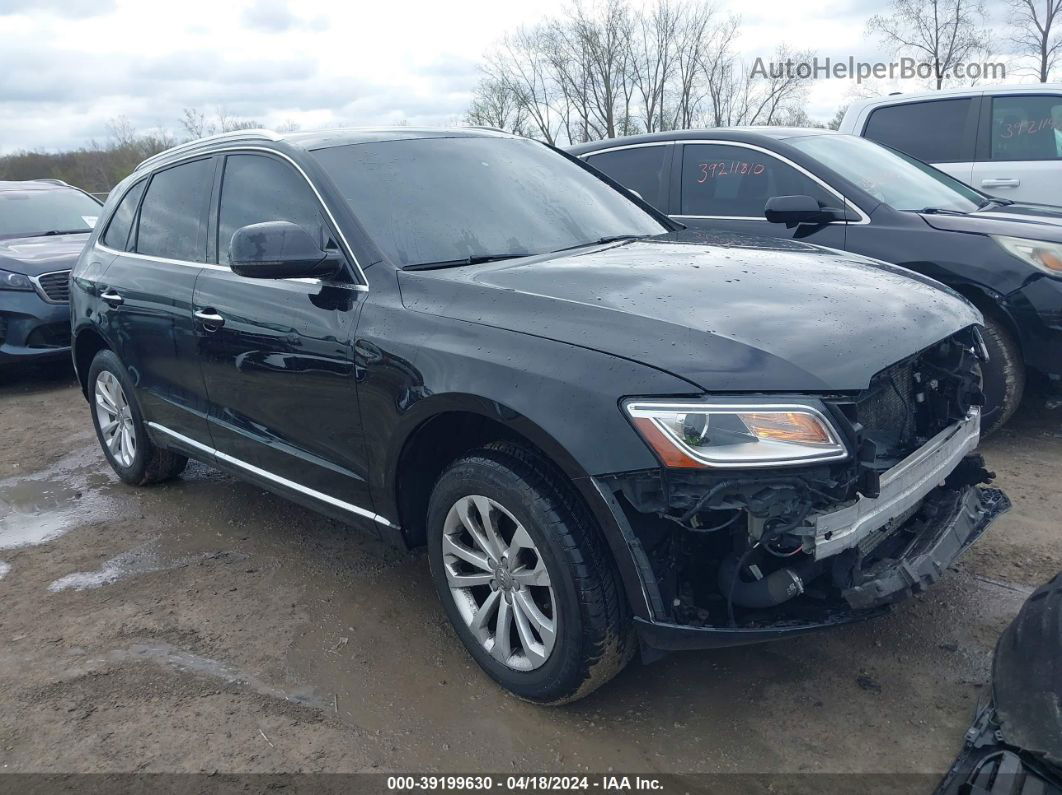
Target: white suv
1003 140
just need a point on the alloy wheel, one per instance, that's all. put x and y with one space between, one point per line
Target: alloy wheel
499 582
115 418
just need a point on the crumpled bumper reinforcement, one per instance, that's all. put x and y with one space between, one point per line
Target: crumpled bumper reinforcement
920 564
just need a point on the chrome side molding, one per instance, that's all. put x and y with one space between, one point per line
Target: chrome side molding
282 481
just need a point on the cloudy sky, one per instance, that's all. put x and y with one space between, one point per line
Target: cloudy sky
67 67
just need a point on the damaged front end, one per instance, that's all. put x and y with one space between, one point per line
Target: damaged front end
781 515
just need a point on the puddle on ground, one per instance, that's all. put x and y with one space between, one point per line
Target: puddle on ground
4 569
40 507
167 655
144 559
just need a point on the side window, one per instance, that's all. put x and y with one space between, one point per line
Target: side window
931 131
117 234
721 180
1027 128
641 168
256 188
173 215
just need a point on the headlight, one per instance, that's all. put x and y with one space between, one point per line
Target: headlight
14 281
1038 253
693 435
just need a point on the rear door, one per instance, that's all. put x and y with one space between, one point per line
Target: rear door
726 186
159 235
277 356
942 132
642 168
1021 154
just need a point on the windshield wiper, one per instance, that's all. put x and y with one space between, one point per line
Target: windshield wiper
940 211
989 201
474 259
601 241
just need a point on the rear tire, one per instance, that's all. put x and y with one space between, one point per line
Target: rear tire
592 636
1003 376
120 426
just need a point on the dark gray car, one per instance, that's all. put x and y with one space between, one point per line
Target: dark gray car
43 227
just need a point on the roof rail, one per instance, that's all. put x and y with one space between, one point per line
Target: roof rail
53 181
486 127
267 135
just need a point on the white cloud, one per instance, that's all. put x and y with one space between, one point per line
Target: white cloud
68 66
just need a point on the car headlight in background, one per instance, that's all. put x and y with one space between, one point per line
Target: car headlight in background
14 281
695 435
1038 253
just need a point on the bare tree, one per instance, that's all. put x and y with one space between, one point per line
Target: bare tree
1034 35
838 117
520 67
494 105
942 33
194 122
613 68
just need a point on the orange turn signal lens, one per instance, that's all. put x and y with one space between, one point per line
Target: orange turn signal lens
789 426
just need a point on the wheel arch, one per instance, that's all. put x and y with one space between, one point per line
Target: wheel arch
86 344
991 305
444 428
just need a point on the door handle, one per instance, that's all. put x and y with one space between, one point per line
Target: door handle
1003 182
210 319
112 298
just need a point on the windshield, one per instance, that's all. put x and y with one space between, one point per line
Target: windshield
432 200
891 177
29 213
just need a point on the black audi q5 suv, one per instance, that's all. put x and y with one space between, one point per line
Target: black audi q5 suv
612 434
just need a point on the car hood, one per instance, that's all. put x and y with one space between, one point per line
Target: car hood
36 255
1034 221
724 312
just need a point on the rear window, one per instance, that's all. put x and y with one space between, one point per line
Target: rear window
173 215
933 132
1027 128
117 235
641 168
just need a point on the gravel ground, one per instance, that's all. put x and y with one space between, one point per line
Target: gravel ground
205 625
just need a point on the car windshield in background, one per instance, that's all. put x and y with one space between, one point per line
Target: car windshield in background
448 200
30 213
896 179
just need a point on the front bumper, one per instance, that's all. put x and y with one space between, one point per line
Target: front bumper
31 328
961 517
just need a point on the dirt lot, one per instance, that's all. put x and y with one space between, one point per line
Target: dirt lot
206 625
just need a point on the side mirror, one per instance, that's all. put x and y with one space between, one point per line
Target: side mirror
279 250
794 210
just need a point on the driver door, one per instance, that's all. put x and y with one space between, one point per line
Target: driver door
277 356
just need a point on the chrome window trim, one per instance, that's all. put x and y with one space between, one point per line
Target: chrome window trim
863 217
588 155
210 152
40 290
291 484
363 288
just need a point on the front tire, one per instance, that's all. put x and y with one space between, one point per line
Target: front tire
120 426
1003 377
525 577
